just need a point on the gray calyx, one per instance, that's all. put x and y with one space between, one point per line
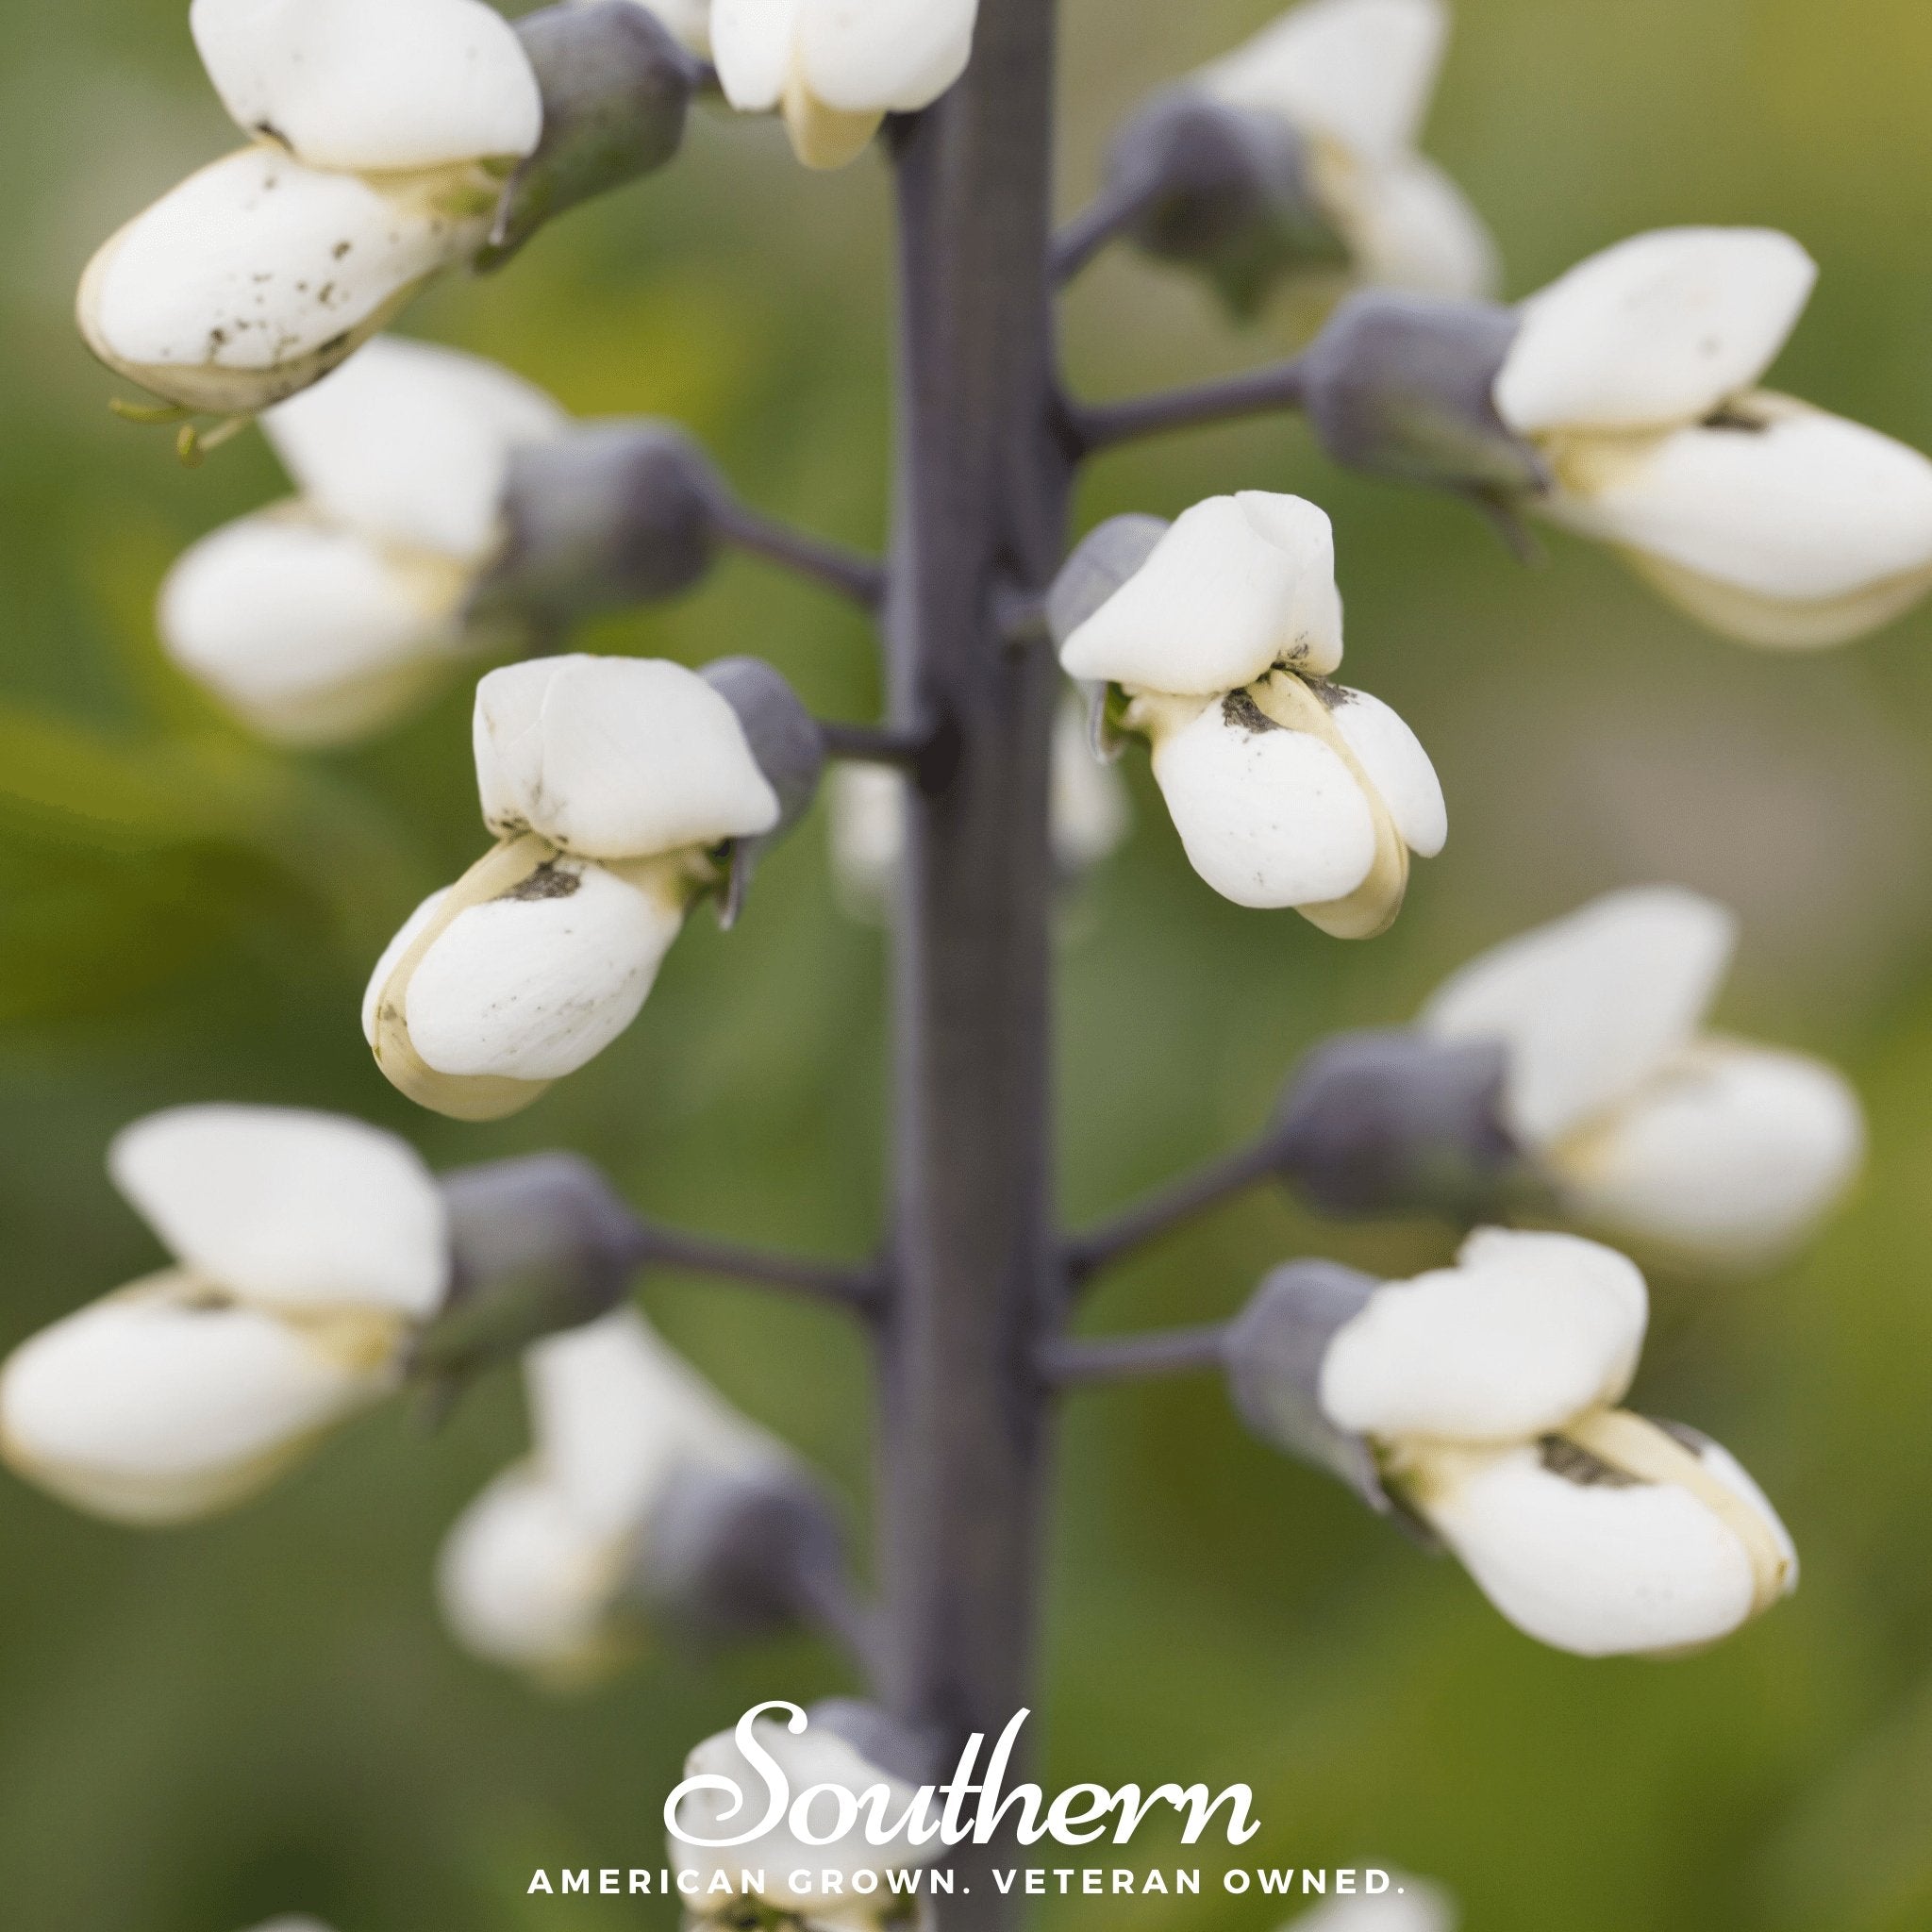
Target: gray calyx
790 750
1106 557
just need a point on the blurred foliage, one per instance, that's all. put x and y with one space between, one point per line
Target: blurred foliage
263 1714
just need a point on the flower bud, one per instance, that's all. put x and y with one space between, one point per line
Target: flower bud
613 515
617 86
309 1247
1401 386
786 746
1393 1123
810 1751
1616 1536
836 68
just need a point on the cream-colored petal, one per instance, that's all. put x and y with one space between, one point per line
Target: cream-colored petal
1398 767
1661 329
1409 226
411 444
312 633
373 86
306 1210
1729 1156
1590 1007
616 757
258 275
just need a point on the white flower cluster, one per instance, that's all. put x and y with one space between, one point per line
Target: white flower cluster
551 1568
1490 1392
308 1251
327 616
1645 1125
611 782
1286 790
1636 375
1354 79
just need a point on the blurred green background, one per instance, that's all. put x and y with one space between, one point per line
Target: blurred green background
260 1715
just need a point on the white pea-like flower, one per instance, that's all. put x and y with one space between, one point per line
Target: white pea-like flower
1409 1904
611 782
550 1569
308 1248
1353 78
381 132
1645 1126
836 68
1636 374
844 1886
1286 790
1089 817
327 616
1489 1392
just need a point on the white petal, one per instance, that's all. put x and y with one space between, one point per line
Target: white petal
814 1756
411 444
414 928
863 55
1589 1007
1360 72
534 984
1410 226
1268 817
373 86
1411 1905
616 757
1399 769
1091 815
1800 507
755 43
1597 1569
1236 586
308 1209
1526 1332
1730 1154
165 1402
1661 329
314 633
257 276
867 833
525 1580
617 1414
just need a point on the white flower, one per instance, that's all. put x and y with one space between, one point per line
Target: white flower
1711 1149
382 129
547 1570
1613 1537
326 617
1286 790
1353 78
1636 374
308 1247
1411 1905
836 68
810 1757
1089 817
611 783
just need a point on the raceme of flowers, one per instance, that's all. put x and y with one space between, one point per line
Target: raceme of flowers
813 1757
1353 79
327 616
1285 789
1636 376
381 132
611 784
1489 1393
1089 817
552 1568
1642 1125
835 69
307 1251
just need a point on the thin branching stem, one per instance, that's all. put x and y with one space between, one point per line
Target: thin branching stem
1174 1207
1102 222
849 573
1101 426
907 746
841 1284
1073 1364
